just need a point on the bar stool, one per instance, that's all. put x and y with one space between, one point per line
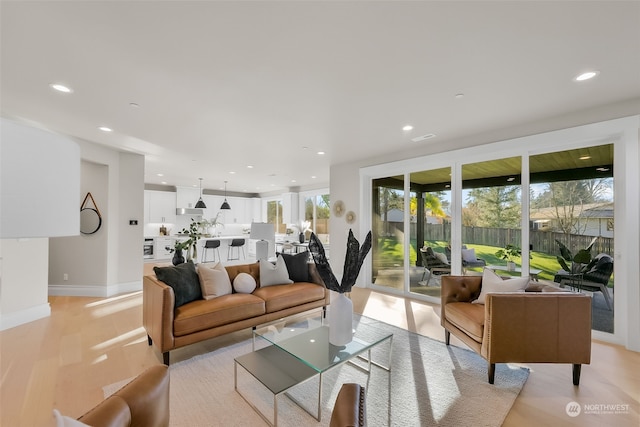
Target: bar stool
238 244
211 244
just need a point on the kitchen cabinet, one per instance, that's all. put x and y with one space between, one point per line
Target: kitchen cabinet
163 246
160 206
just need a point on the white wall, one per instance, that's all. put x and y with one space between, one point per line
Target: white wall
109 261
345 186
23 281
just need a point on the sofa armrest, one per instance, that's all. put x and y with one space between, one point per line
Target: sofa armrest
349 409
459 289
158 302
142 402
552 327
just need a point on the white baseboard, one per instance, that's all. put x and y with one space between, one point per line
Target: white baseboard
94 290
11 320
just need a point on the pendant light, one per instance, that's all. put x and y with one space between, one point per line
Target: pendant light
200 204
225 204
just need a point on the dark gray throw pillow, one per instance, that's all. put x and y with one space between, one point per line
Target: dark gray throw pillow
297 266
184 280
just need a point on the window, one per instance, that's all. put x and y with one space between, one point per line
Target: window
274 215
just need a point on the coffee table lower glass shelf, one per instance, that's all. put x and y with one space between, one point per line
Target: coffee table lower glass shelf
296 353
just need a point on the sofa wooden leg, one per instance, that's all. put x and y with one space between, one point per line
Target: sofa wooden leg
165 358
447 337
492 372
576 373
149 340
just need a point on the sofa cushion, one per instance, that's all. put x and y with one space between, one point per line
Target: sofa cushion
274 274
244 283
214 282
206 314
469 255
491 282
467 317
280 297
297 266
252 269
184 280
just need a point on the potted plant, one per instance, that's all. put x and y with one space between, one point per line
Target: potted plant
206 225
580 263
509 253
192 243
178 247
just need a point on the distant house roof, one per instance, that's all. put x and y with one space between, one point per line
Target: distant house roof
589 210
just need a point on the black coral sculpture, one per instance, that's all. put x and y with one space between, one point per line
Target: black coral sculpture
352 263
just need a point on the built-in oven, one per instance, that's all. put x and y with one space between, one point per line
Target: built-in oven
148 248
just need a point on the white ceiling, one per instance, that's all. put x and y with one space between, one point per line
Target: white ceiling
224 85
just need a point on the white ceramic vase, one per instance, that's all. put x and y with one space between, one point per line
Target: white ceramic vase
340 320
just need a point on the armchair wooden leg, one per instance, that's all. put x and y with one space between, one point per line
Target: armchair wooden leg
149 340
576 373
492 372
165 358
447 337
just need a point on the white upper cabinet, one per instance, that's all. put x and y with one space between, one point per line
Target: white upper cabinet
160 206
187 197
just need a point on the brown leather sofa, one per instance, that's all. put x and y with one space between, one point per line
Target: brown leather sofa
542 325
169 328
144 402
350 407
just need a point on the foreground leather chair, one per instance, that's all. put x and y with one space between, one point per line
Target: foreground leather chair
543 325
144 402
350 409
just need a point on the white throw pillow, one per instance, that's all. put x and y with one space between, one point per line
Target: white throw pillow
64 421
274 274
469 255
244 283
491 282
441 257
215 281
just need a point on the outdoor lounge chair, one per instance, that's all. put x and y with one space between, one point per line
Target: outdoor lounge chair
466 263
432 264
594 280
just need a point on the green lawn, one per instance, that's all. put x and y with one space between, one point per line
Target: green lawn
392 254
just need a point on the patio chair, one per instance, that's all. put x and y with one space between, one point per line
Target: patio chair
432 264
594 280
466 263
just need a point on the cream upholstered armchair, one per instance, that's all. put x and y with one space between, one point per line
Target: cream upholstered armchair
542 325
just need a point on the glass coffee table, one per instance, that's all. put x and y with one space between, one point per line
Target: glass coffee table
299 351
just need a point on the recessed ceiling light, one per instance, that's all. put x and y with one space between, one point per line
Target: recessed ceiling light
407 128
61 88
232 172
313 177
249 167
105 129
320 153
459 95
160 174
293 180
586 76
134 105
585 157
164 182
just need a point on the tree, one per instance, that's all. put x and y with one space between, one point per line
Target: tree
568 199
496 206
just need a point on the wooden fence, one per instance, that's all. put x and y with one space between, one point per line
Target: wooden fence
540 241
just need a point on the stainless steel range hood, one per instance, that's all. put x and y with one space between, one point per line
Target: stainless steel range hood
189 211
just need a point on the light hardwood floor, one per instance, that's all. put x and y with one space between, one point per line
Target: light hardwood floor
64 361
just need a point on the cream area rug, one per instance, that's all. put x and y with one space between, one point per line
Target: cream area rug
430 384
